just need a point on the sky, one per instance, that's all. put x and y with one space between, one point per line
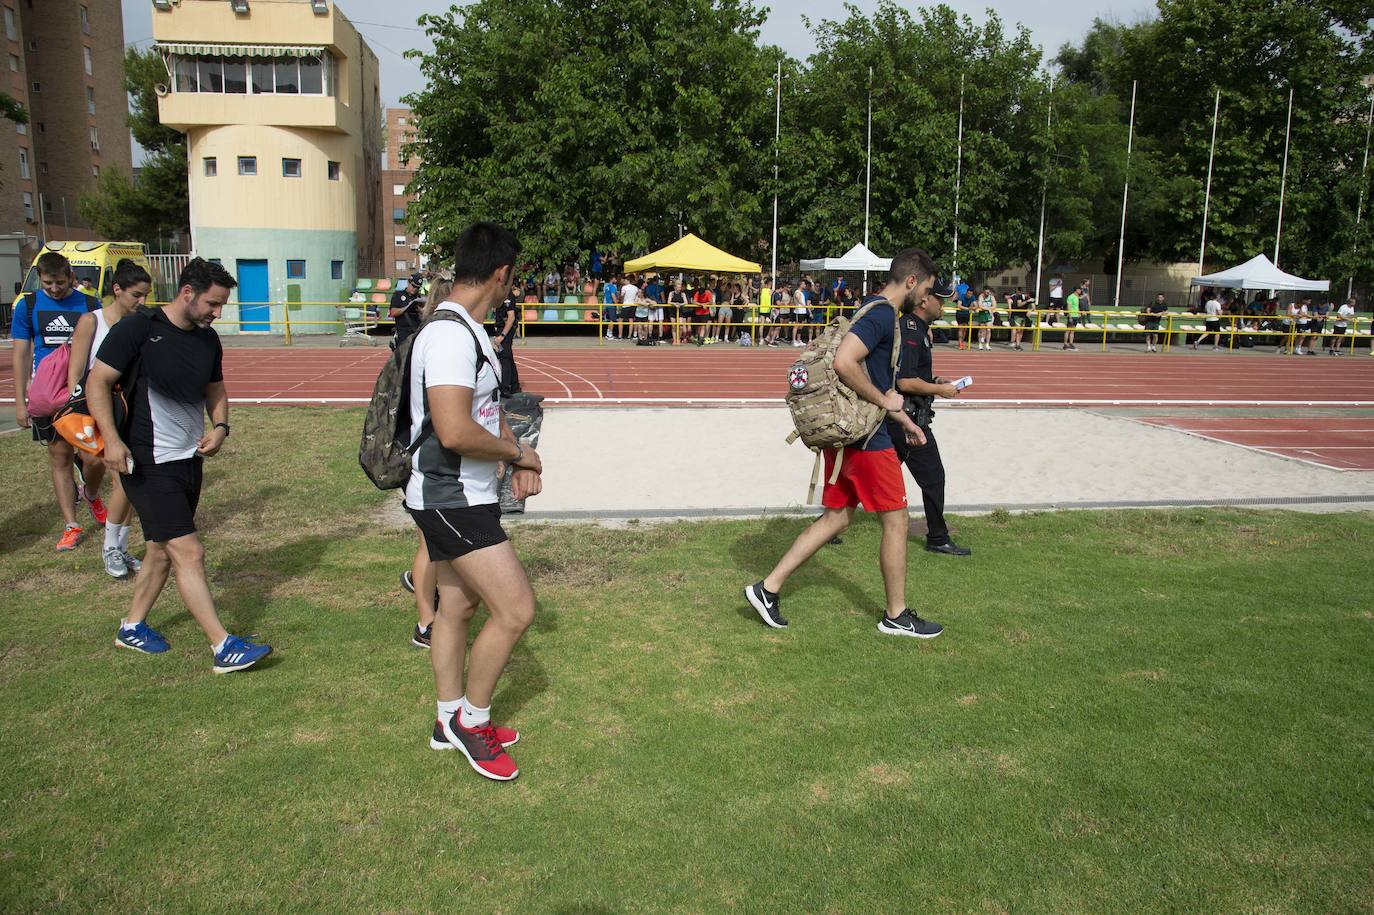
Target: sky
389 25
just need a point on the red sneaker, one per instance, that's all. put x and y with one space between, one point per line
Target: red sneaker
98 510
71 538
482 749
509 737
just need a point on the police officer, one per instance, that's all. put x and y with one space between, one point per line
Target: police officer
918 383
503 341
406 304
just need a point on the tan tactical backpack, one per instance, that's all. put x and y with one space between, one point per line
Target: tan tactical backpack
825 411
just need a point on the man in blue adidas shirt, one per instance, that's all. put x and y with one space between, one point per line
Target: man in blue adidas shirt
43 321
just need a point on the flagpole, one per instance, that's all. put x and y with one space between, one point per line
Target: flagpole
958 174
1207 200
777 136
1125 193
1283 180
1044 192
1359 207
868 170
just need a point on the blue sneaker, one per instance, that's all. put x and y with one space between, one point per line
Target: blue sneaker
239 653
142 638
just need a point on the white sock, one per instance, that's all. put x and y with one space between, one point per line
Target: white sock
216 649
123 536
111 535
471 716
447 708
125 625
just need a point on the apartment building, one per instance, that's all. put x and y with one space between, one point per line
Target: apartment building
403 249
281 106
64 62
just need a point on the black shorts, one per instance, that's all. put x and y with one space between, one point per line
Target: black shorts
1151 324
963 317
42 429
700 319
1212 326
165 497
1317 327
1339 329
454 532
1073 321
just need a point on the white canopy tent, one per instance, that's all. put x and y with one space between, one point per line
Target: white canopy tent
1259 272
856 258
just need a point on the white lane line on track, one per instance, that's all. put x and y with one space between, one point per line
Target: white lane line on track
778 401
528 361
556 381
1255 448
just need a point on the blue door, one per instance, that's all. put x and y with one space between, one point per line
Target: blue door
253 288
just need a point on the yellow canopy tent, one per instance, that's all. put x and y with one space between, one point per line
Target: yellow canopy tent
691 253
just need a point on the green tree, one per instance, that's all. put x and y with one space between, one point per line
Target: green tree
609 123
157 204
11 110
1253 51
1009 159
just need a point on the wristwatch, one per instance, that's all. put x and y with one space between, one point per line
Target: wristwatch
224 426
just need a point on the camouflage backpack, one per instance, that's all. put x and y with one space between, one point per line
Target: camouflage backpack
385 449
825 411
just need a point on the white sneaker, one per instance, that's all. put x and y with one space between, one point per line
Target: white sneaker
610 336
131 562
114 563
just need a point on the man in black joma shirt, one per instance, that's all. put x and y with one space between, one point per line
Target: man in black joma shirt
919 385
169 362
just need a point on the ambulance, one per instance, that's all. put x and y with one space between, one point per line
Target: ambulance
94 264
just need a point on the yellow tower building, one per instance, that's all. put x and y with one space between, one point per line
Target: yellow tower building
280 102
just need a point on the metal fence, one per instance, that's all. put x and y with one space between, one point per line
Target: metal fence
165 269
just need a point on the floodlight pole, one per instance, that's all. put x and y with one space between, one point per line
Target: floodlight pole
1044 192
777 136
1359 207
1207 199
1283 180
958 174
868 171
1125 194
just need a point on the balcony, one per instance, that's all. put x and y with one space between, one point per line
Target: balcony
184 110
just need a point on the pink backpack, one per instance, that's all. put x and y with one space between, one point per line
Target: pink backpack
48 390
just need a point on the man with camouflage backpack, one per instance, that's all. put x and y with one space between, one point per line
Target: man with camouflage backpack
459 442
865 471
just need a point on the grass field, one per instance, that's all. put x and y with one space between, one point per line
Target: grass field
1132 711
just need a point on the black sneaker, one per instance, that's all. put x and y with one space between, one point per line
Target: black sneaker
949 549
407 581
420 637
909 624
766 603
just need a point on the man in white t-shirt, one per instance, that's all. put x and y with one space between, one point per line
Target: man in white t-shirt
629 300
464 441
1212 323
1345 316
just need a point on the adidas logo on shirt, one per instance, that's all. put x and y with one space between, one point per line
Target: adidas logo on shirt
58 325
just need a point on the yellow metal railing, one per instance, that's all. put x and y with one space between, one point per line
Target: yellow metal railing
1099 327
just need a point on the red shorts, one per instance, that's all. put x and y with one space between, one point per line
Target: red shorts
871 478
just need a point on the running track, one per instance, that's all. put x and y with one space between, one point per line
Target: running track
615 374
